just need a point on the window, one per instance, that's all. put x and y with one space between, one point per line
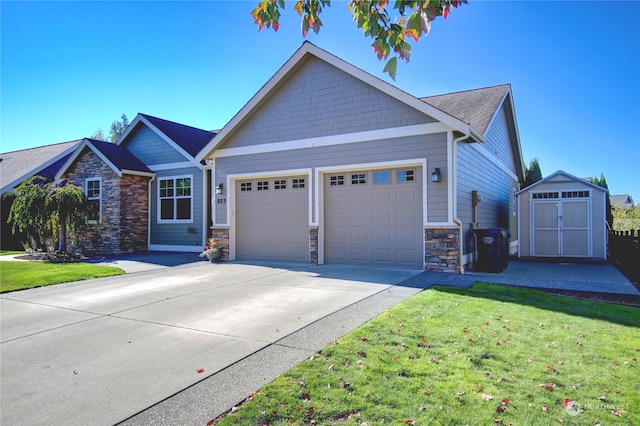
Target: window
336 180
93 188
575 194
175 199
381 177
358 179
263 185
298 183
405 176
280 184
545 195
245 186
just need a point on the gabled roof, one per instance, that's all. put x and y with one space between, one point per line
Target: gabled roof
476 107
118 158
309 49
16 166
185 139
566 176
623 200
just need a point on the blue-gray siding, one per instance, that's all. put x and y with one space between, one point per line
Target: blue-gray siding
320 100
151 149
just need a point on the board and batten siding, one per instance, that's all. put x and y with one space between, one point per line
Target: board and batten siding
178 233
321 100
151 149
433 147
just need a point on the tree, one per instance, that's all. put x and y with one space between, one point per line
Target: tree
532 174
41 208
602 182
99 135
118 128
391 27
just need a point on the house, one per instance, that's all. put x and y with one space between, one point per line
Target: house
16 167
329 164
149 190
624 201
563 216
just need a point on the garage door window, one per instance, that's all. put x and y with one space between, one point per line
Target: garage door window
298 183
263 185
280 184
381 177
336 180
245 186
359 179
405 176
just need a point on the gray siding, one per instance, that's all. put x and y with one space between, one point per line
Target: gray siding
497 189
498 139
320 100
177 234
151 149
432 147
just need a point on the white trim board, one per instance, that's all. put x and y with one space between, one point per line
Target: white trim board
369 135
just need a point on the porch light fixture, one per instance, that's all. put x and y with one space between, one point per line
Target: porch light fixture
435 176
219 188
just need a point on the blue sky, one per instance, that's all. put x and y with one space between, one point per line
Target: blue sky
69 68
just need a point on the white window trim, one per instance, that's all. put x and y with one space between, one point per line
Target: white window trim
158 199
99 198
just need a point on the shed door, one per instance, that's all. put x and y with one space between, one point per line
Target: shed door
561 224
374 218
272 219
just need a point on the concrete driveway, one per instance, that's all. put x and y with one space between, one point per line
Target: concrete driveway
103 351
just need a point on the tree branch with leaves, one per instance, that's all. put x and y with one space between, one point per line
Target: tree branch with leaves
391 27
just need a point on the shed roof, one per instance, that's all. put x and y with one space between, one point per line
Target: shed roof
565 175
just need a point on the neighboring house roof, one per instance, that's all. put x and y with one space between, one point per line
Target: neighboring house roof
186 139
119 159
290 67
16 166
623 200
566 176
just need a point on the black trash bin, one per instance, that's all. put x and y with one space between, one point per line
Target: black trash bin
506 236
492 249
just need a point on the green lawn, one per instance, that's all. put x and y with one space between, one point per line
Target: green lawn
23 275
485 355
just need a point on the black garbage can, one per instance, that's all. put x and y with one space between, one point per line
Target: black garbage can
506 236
491 250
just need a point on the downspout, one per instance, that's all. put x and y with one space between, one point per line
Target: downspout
453 176
149 213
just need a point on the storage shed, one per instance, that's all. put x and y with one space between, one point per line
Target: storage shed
562 216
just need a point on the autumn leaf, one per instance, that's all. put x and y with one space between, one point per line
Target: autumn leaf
364 339
200 370
486 397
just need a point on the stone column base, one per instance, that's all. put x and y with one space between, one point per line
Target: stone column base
442 250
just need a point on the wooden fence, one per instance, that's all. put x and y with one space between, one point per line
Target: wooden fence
624 248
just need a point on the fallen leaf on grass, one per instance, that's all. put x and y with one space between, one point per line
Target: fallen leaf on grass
531 359
486 397
364 339
545 408
551 386
500 409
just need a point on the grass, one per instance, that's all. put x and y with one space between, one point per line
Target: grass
23 275
485 355
3 252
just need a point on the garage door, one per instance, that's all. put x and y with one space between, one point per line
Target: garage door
561 224
272 219
374 218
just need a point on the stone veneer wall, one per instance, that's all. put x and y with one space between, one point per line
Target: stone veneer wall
134 213
313 245
124 218
221 235
442 250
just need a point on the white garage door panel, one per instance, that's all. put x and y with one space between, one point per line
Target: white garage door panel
374 224
272 224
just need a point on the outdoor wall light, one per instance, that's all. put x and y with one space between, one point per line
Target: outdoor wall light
435 176
219 188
